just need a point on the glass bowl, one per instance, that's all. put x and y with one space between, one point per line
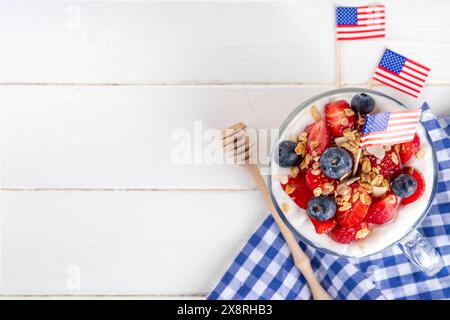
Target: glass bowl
414 245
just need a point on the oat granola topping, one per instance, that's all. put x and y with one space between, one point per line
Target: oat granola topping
345 206
361 234
303 137
365 199
328 187
394 157
295 171
342 189
317 191
285 207
366 166
377 180
306 160
314 144
420 154
315 114
290 188
355 196
349 112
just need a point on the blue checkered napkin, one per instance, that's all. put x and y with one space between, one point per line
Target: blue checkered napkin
265 270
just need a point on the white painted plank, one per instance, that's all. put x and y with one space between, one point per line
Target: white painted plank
206 42
120 137
122 243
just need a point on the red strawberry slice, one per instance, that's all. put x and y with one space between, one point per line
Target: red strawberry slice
409 149
348 234
420 185
323 226
301 193
356 213
388 168
344 234
383 210
338 118
314 181
318 137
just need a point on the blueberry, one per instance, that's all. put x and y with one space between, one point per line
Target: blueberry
404 185
362 103
286 156
322 208
335 162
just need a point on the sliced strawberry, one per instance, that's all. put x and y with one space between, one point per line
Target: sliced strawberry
301 193
344 234
348 234
320 180
383 210
339 116
388 166
318 137
323 226
358 210
409 149
420 185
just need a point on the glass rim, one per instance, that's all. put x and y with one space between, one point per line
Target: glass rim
288 121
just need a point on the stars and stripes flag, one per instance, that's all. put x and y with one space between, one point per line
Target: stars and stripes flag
388 128
357 23
401 73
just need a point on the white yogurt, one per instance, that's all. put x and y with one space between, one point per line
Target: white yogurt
381 236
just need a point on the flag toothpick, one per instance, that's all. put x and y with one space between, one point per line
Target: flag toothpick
387 128
338 65
401 73
357 23
360 23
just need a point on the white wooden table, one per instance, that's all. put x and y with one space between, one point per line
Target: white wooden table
90 95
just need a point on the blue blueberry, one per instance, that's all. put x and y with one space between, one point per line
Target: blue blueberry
321 208
362 103
286 156
404 185
335 162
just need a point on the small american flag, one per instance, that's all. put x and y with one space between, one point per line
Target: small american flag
357 23
388 128
401 73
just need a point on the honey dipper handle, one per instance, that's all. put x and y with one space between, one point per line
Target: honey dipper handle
301 260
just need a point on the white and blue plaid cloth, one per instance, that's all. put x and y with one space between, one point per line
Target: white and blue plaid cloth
265 270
